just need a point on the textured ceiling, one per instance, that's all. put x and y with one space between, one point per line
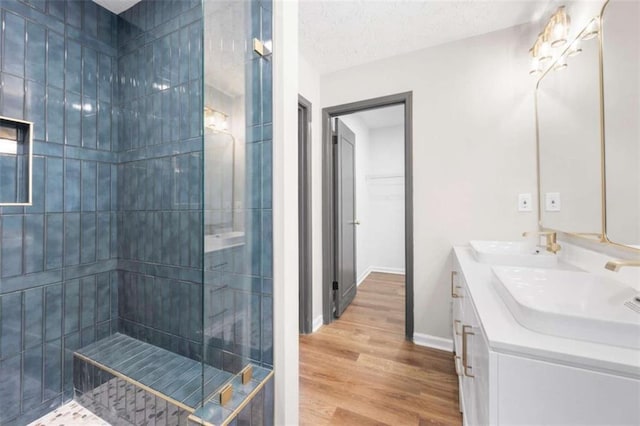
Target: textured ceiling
339 34
382 117
116 6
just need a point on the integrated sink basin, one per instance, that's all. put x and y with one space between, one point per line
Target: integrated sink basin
512 253
572 304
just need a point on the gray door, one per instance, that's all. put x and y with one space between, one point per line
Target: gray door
345 209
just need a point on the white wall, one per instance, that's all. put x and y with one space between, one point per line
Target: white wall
473 143
285 211
384 188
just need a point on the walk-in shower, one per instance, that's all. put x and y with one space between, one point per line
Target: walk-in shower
139 279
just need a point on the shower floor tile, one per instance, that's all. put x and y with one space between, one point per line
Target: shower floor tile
173 376
70 414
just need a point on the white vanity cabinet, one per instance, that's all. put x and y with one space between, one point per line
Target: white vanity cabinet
471 353
507 378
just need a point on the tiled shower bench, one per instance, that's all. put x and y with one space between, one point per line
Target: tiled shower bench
130 382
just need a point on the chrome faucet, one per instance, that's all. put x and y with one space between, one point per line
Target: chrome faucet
615 265
552 239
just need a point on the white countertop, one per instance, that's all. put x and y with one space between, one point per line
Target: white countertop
506 335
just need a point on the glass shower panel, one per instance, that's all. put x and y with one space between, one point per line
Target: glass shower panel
237 314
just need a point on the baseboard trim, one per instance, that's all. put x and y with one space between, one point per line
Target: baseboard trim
433 342
383 269
317 323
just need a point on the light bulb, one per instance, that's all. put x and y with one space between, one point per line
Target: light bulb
591 31
575 48
535 67
561 64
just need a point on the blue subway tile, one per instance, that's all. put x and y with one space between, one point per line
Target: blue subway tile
33 243
12 231
89 123
90 19
10 388
52 369
32 378
54 241
35 108
14 41
11 324
88 190
104 126
54 185
36 53
55 115
38 190
34 310
71 239
74 12
55 56
103 297
73 118
12 105
103 236
89 73
88 291
71 306
53 312
57 9
72 185
88 238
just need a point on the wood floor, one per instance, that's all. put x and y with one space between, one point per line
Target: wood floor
359 370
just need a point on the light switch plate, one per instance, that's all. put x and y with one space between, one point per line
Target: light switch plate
552 201
524 202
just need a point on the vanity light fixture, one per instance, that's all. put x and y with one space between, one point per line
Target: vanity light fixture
215 120
554 35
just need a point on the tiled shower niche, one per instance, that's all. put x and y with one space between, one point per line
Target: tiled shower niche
136 231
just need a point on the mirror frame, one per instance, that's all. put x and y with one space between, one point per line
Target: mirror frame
593 237
605 236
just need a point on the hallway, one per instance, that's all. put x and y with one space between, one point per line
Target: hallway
359 370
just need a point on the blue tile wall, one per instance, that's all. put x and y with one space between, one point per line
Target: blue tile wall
56 262
159 194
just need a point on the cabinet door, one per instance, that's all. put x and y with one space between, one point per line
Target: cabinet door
538 392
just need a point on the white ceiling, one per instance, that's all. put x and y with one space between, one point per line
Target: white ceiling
382 117
339 34
116 6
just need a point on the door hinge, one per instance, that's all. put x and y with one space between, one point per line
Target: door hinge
335 285
334 139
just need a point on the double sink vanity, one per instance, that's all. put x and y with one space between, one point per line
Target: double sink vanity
539 341
548 332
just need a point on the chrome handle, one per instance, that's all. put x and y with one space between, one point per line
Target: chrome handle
355 222
465 356
455 327
453 286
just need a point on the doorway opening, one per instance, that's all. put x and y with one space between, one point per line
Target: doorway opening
368 203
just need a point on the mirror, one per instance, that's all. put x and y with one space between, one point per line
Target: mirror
16 156
621 81
569 142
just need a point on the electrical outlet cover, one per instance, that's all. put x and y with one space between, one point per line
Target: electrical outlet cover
552 201
524 203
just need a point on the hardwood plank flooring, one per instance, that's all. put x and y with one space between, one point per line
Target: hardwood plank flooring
360 370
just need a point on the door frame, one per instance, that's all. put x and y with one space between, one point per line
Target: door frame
304 218
328 238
